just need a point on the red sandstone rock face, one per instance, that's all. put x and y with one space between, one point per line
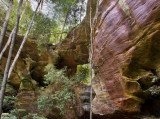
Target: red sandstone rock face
144 11
125 54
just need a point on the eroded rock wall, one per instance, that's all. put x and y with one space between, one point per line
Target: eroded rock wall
126 54
26 78
31 62
74 49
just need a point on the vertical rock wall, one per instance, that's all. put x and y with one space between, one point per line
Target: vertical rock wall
126 54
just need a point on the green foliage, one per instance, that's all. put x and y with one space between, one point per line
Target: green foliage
8 103
74 7
42 25
2 13
82 74
14 114
17 112
9 117
44 30
9 98
54 76
48 24
63 97
26 17
33 116
1 78
41 30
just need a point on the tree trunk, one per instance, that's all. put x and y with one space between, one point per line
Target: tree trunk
91 59
24 40
7 44
5 77
4 28
9 39
64 25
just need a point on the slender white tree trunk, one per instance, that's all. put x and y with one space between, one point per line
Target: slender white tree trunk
9 39
5 24
5 77
91 56
7 44
23 42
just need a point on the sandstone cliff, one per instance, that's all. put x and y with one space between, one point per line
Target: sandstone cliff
125 60
126 56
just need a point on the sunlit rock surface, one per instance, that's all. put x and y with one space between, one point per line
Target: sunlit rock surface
30 62
126 55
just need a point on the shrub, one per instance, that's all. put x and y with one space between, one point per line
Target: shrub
60 99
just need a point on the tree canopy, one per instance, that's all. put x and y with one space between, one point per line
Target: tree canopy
50 20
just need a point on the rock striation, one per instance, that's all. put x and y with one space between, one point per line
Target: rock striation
126 54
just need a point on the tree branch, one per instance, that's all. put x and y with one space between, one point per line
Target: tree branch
4 3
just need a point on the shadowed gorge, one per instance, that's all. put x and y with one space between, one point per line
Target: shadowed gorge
56 84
